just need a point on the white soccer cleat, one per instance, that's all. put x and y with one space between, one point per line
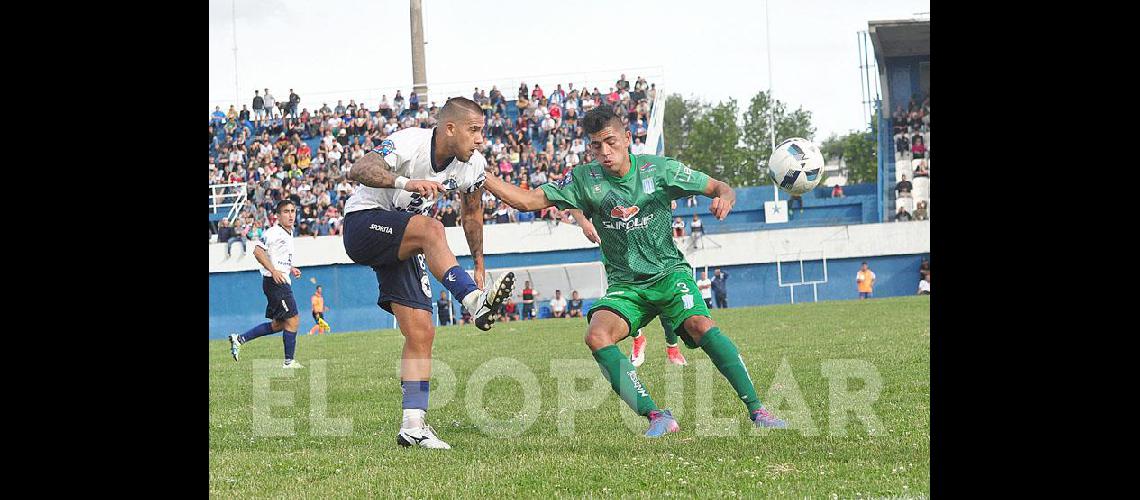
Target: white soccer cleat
292 364
637 354
235 346
486 303
424 437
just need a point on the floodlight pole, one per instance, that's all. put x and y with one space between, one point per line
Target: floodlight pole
771 97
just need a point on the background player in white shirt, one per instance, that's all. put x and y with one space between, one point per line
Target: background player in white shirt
385 227
274 251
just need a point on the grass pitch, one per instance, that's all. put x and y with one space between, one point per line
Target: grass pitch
508 444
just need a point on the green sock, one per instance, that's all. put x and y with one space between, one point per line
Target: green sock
728 360
623 379
670 334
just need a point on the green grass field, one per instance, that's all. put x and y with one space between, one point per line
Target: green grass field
604 456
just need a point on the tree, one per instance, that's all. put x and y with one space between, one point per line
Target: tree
678 123
710 138
757 140
858 150
713 145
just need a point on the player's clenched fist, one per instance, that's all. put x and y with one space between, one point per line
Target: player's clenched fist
720 207
425 188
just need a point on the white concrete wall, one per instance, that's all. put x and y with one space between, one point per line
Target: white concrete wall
861 240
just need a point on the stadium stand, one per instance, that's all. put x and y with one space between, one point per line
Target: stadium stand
304 155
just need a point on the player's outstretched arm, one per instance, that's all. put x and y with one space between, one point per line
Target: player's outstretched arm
587 227
723 198
520 199
473 230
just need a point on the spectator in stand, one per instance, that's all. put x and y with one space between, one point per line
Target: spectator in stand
227 235
385 107
558 305
924 284
720 288
504 214
837 192
622 83
294 104
795 199
243 115
270 105
924 267
904 187
536 94
574 307
217 117
920 169
865 280
902 214
448 216
258 107
678 227
398 104
705 285
918 149
920 212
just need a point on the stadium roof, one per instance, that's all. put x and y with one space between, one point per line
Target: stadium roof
899 38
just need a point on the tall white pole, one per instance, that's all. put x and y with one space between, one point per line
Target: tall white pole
771 96
233 17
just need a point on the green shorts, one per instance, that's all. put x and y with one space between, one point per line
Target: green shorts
674 297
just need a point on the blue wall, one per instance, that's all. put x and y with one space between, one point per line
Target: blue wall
237 304
904 79
859 206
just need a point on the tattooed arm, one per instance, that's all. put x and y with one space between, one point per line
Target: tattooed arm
473 229
373 171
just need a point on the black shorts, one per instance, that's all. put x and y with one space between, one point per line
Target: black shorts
280 303
317 317
372 238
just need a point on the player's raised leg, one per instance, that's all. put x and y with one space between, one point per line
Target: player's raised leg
426 235
415 374
605 329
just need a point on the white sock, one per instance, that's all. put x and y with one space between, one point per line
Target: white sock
471 300
413 419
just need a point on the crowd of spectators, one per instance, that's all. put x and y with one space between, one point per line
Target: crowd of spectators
268 149
911 133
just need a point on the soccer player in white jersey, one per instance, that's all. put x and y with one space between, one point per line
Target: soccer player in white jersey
274 251
385 227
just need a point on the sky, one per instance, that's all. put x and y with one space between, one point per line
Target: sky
355 49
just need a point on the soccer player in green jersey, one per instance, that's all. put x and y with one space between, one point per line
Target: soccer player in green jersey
627 197
637 352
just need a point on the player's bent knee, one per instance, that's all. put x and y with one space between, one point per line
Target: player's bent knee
697 326
598 338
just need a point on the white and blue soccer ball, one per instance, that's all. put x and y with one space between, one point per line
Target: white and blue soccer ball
796 165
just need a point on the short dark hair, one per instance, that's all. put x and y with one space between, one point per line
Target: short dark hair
318 287
600 117
456 107
281 205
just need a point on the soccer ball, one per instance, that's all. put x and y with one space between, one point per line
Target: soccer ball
796 165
